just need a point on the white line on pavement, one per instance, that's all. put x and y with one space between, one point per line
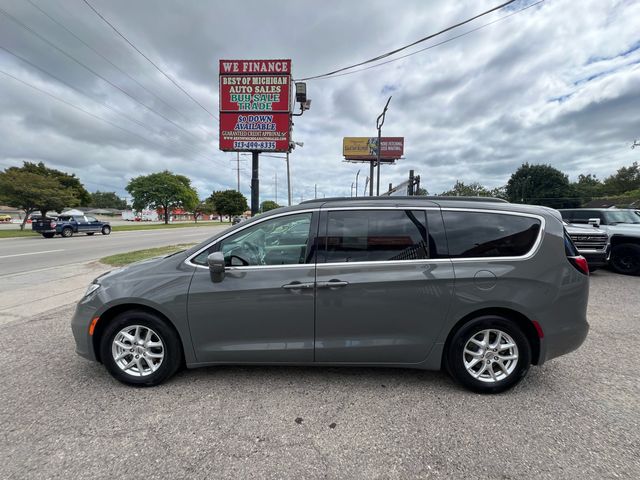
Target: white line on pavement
30 253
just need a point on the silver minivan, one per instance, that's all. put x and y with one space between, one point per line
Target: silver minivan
483 289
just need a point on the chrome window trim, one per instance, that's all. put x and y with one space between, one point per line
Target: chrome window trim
189 262
534 249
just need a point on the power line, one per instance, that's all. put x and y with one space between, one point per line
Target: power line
149 60
109 107
397 50
435 44
70 32
33 32
97 117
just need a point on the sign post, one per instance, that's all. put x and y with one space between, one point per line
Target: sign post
255 111
373 150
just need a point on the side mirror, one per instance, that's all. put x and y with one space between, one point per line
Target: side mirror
216 266
595 222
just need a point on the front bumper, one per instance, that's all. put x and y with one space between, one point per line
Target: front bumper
596 258
80 327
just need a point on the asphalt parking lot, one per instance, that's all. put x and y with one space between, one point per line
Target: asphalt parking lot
576 417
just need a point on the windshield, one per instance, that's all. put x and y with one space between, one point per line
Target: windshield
621 216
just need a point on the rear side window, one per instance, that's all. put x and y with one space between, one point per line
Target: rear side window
478 234
376 235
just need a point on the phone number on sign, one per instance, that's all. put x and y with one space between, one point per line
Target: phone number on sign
254 145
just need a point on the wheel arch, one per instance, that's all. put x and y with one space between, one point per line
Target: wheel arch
522 321
107 316
622 239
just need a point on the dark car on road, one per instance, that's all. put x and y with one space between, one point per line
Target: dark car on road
482 289
68 225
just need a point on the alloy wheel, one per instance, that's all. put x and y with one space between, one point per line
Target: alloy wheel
490 355
137 350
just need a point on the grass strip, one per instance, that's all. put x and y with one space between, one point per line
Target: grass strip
121 259
17 233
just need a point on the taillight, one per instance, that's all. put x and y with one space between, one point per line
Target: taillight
580 263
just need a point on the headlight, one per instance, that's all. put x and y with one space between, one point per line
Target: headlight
92 288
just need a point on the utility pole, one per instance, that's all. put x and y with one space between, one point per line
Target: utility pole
276 187
315 190
357 174
366 182
288 181
410 187
255 184
238 168
379 123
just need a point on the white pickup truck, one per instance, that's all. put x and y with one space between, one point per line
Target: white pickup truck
623 228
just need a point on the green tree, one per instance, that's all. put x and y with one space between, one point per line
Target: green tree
229 202
624 180
204 207
163 190
541 185
33 188
268 205
106 200
587 187
472 190
68 181
421 192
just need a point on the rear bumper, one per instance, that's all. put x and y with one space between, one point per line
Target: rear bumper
563 341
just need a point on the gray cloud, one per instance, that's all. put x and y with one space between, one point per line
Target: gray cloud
558 83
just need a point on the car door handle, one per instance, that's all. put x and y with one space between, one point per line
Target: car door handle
297 286
332 284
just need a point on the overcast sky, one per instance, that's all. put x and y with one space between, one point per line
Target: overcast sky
558 83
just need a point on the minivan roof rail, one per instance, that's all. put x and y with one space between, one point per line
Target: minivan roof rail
415 197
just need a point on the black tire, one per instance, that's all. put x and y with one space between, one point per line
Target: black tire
625 259
48 235
455 355
67 232
90 233
106 230
171 344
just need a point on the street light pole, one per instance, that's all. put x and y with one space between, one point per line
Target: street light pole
357 174
288 181
379 123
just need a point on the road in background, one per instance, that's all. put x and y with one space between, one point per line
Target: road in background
39 274
27 254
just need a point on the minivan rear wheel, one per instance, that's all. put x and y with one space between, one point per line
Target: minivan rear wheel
139 348
489 354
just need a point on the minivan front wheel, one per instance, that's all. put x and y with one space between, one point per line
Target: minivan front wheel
139 348
489 355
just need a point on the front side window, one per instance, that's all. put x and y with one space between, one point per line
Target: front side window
375 235
476 234
278 241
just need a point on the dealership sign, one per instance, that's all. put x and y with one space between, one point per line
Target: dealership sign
255 103
366 148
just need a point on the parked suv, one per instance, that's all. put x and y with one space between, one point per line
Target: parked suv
481 289
623 228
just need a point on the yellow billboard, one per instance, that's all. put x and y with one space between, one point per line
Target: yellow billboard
365 148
